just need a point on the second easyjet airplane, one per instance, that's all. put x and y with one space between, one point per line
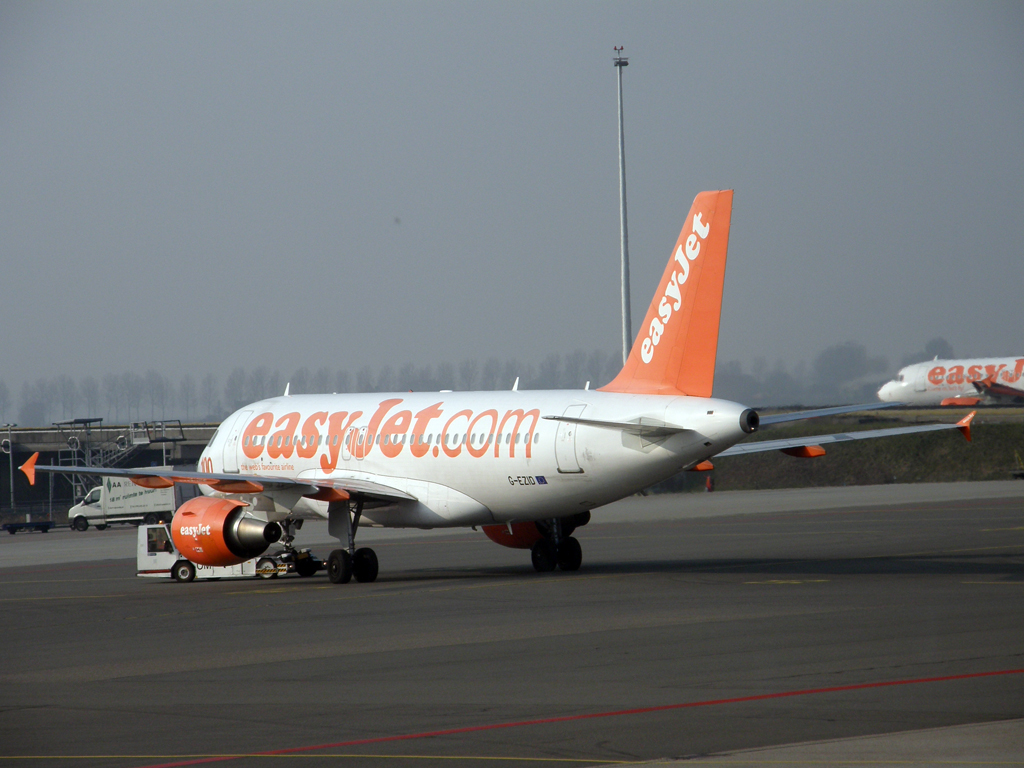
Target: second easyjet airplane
527 466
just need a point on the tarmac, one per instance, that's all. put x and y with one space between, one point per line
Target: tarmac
846 626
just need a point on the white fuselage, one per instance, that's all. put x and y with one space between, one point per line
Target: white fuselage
468 458
931 382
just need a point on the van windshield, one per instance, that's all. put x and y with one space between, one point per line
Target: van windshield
158 540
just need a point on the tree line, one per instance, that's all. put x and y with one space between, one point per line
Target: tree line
841 373
152 396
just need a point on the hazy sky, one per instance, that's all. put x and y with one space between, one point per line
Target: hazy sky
197 186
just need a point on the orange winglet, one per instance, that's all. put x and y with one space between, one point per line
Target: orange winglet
704 466
961 401
29 468
804 451
330 494
149 481
235 486
964 425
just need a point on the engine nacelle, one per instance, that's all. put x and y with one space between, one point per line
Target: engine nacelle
211 531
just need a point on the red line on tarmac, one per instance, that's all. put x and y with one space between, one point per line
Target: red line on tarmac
595 715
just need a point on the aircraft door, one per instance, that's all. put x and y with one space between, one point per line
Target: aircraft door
565 442
361 443
920 383
231 436
346 444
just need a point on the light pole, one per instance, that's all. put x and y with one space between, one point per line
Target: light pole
627 334
10 459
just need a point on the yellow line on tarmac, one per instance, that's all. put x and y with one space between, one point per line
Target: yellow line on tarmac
476 757
66 597
940 552
837 762
524 583
409 591
372 756
64 581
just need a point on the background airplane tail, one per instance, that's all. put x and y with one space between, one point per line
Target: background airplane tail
674 352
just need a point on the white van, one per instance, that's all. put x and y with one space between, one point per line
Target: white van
119 500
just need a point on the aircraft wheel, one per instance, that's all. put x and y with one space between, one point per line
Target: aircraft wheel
183 571
544 556
339 566
570 555
80 524
364 565
266 568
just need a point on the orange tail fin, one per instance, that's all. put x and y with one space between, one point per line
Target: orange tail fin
674 352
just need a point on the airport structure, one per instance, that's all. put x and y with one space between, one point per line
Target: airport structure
90 444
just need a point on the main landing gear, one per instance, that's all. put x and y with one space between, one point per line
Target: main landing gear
557 548
343 564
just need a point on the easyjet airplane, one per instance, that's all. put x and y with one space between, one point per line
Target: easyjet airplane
958 382
526 466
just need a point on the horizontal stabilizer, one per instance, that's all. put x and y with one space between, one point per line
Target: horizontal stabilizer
645 429
816 441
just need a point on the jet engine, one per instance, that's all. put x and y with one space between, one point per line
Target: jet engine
218 532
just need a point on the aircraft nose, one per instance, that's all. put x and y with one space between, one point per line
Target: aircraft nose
885 392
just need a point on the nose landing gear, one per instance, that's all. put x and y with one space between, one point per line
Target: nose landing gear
300 561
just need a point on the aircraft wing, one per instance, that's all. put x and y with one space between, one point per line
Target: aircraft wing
810 445
779 418
321 489
997 391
